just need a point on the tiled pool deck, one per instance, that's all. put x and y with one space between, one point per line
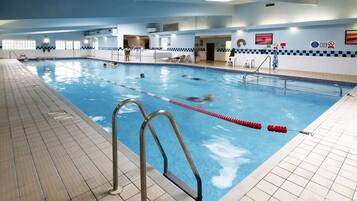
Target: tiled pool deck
313 168
46 159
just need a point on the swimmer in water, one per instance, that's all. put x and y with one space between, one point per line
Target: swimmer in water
142 75
206 99
105 65
191 78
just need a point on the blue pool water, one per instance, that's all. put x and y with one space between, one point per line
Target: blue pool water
224 153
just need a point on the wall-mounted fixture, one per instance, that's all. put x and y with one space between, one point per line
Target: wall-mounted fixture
293 29
46 40
269 4
220 0
240 32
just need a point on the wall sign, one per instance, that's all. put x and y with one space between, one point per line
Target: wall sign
331 44
351 37
264 39
317 44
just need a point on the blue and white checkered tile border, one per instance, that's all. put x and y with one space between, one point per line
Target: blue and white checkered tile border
181 49
87 48
318 53
223 50
45 48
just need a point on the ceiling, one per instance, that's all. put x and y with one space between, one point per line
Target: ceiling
39 16
232 2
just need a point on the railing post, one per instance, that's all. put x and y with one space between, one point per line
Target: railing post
341 91
269 64
116 188
140 55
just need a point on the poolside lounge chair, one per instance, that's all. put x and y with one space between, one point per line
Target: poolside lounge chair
187 59
170 59
181 59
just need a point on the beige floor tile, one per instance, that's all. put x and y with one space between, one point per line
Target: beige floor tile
258 195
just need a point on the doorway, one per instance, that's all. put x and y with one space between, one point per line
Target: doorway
210 51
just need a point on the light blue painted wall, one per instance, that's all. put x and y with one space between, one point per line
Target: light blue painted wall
299 40
108 42
177 41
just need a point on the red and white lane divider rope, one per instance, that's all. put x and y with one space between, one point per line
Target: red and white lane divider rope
249 124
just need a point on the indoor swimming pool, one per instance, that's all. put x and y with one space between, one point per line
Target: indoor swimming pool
224 152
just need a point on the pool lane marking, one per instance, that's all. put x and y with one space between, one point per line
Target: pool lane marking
249 124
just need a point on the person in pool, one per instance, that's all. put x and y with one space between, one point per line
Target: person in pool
191 78
142 75
206 99
105 65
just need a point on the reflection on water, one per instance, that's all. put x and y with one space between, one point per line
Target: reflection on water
97 118
229 157
164 77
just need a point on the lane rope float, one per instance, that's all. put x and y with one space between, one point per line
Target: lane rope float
249 124
278 129
223 117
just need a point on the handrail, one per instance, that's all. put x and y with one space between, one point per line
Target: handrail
257 70
340 87
197 197
116 189
285 83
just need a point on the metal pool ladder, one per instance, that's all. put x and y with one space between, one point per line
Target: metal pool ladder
196 195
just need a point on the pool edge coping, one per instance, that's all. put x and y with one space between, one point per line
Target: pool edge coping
242 188
192 65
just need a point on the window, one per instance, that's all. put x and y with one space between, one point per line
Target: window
60 44
96 44
69 45
76 44
164 43
19 44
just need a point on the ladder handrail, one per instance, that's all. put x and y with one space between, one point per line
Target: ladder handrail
116 188
287 79
183 146
257 70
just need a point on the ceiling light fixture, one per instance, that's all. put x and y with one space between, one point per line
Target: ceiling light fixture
294 29
46 40
219 0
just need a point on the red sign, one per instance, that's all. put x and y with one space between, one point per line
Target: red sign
264 39
351 37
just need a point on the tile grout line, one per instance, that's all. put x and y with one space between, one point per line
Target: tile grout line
73 137
58 174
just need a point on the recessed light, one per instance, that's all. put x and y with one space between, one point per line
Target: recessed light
219 0
294 29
